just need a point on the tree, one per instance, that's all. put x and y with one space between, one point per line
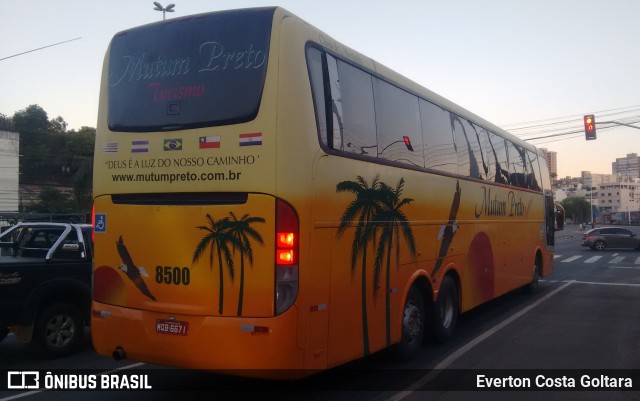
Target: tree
394 222
6 123
57 126
51 200
362 209
79 149
32 120
51 155
577 208
32 124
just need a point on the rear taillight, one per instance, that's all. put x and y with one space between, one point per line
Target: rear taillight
287 256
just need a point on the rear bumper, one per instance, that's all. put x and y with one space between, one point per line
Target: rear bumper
261 347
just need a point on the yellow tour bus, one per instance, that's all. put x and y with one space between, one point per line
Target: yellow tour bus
268 200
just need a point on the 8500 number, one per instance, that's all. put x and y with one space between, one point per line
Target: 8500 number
173 275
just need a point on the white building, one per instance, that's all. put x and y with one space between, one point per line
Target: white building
9 151
620 200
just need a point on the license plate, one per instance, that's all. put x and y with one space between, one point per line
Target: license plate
173 327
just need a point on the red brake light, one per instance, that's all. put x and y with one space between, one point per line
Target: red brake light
286 240
285 256
287 250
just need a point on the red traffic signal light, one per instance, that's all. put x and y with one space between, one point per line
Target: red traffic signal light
589 127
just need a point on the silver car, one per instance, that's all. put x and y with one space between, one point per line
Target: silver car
610 237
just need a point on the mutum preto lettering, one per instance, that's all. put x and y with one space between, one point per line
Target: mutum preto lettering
490 207
136 69
219 58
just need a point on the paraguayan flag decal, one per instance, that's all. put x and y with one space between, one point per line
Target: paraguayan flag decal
251 139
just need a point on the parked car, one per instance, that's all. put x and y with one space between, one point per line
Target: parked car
45 284
610 237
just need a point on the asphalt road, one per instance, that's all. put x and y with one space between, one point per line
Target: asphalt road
585 319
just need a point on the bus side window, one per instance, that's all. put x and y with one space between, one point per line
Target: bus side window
502 164
333 103
397 116
439 149
533 178
315 64
487 154
357 111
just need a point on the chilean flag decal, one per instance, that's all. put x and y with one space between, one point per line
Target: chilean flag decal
209 142
251 139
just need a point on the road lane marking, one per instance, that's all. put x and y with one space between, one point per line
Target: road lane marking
571 259
557 256
34 392
593 259
617 259
637 261
470 345
611 284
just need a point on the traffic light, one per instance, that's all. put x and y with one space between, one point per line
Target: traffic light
589 127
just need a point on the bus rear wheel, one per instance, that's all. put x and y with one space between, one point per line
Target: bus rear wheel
413 327
534 285
445 311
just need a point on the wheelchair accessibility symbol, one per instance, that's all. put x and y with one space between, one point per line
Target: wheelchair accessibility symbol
101 223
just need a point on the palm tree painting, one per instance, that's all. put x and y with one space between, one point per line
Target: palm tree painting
219 240
242 232
377 212
362 210
394 223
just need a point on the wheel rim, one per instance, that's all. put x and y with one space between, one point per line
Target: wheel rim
412 322
60 330
599 246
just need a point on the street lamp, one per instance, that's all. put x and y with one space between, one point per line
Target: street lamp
168 9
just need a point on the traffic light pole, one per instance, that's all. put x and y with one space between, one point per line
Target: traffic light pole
619 123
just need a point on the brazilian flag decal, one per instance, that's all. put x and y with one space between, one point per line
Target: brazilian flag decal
173 144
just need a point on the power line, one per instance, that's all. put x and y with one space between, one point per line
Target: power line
40 48
568 118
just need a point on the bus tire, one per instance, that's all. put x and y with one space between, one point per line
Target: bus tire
413 327
59 329
534 285
445 311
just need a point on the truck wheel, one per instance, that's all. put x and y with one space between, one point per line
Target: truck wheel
59 329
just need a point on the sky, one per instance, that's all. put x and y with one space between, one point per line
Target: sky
531 67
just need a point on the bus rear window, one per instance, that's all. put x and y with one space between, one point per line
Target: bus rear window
193 72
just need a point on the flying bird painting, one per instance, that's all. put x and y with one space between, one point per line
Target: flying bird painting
134 272
448 231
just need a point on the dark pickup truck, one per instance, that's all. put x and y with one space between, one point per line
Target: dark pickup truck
45 284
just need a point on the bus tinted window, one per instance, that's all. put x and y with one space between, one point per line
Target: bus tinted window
358 116
398 116
314 58
534 171
517 172
199 71
502 165
487 159
439 150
